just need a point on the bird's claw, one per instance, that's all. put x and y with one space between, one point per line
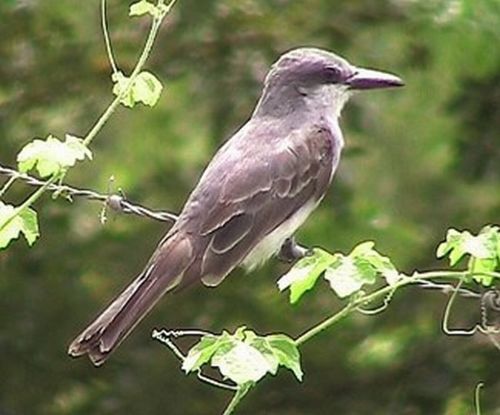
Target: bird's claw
291 251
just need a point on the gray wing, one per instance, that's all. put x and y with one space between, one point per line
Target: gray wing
248 192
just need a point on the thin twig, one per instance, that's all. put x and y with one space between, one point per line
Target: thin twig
107 40
116 202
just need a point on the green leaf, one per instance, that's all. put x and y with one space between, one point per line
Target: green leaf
203 351
486 265
348 274
120 89
244 356
143 7
29 226
458 244
287 353
262 345
498 248
242 363
304 274
345 277
51 156
25 222
381 264
146 88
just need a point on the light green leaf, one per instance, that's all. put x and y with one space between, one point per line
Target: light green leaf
203 351
452 246
344 277
120 89
244 356
242 363
29 227
484 246
304 274
51 156
381 264
498 248
25 222
348 274
477 265
143 7
287 353
146 88
262 345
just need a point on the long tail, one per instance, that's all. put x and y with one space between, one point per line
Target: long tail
109 329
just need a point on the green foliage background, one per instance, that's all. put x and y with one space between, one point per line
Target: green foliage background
418 160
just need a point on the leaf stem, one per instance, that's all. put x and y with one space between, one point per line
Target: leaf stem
237 397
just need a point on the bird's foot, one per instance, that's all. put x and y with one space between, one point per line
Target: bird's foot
291 251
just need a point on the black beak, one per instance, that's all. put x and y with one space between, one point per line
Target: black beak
370 79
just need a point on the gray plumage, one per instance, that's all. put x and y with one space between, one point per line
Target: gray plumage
257 190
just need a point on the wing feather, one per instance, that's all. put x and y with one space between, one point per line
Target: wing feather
254 198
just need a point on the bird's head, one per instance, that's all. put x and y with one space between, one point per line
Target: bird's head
319 77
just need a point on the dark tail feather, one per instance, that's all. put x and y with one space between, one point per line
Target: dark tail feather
109 329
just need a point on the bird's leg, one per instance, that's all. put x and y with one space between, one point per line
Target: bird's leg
291 251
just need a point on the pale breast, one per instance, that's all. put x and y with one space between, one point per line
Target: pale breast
273 241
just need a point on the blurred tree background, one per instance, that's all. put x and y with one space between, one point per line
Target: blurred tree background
418 160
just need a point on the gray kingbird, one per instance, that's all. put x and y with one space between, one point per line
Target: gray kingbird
257 190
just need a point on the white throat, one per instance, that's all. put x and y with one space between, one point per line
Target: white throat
329 98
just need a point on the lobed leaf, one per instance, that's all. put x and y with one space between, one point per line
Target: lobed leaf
242 363
345 277
244 356
51 156
348 274
143 7
304 274
458 244
287 353
25 222
203 351
146 88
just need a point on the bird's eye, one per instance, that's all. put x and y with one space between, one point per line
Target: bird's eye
333 74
